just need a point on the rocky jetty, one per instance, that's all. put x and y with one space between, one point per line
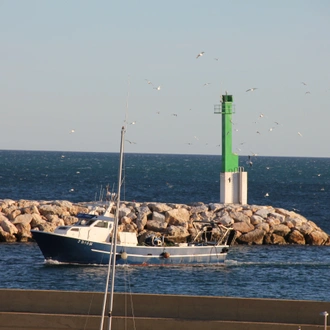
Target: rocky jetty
253 224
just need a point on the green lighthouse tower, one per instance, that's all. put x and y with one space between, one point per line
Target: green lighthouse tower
229 160
233 179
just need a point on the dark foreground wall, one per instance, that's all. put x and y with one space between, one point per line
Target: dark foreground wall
41 310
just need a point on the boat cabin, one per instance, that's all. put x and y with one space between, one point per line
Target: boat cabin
96 228
89 227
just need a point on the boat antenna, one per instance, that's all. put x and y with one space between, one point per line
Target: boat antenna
127 97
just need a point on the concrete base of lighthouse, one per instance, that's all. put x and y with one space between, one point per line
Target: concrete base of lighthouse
233 187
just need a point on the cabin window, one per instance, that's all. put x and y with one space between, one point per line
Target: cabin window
102 224
84 222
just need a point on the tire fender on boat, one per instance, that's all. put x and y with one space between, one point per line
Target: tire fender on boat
165 255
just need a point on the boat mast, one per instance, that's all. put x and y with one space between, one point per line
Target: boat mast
112 259
116 226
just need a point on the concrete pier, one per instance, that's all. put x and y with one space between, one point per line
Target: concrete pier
57 310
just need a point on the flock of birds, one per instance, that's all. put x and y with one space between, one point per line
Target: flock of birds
249 161
249 90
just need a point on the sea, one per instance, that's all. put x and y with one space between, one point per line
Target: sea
275 272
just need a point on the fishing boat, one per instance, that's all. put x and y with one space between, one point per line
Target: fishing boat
91 239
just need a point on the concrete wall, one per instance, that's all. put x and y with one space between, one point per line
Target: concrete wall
31 309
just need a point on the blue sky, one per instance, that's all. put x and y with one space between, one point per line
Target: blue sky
83 65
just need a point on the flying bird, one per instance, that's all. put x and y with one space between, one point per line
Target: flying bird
130 142
266 195
304 83
158 88
307 92
216 59
299 134
148 81
72 131
251 89
250 161
206 84
200 54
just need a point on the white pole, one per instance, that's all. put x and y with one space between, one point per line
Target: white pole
325 314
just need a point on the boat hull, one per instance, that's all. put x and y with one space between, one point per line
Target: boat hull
73 250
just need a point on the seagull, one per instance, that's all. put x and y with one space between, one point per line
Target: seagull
216 59
130 142
251 89
254 154
200 54
304 83
72 131
250 161
158 88
148 81
132 123
206 84
266 195
196 137
299 134
174 114
261 115
307 92
71 189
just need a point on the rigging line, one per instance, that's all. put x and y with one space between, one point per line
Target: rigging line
129 292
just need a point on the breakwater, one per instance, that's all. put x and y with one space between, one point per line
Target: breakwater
253 224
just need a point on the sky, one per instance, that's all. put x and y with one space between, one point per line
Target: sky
84 66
